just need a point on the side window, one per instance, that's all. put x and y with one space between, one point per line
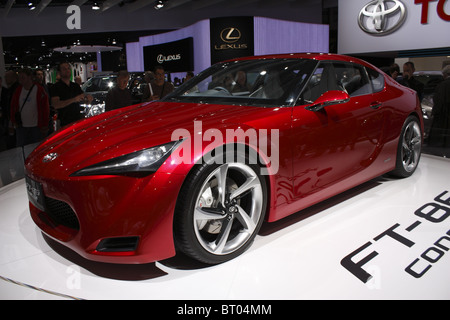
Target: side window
377 80
322 80
328 76
107 83
91 85
353 79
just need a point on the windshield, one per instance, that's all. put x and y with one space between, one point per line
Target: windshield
260 82
99 83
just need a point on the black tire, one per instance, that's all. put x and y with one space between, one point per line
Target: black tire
205 215
409 148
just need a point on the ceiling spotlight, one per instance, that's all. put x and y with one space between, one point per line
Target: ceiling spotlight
95 6
31 6
159 4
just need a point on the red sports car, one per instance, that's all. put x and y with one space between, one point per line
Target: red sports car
249 140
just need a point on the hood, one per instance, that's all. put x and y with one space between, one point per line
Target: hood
130 129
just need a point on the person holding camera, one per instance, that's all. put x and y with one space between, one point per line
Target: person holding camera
29 110
67 95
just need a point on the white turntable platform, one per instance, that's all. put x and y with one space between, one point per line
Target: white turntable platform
387 239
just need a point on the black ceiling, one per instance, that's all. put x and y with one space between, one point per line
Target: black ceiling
38 50
55 3
167 4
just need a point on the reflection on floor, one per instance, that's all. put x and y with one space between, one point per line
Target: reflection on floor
387 239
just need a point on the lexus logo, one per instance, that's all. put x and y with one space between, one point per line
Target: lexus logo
162 58
382 17
230 35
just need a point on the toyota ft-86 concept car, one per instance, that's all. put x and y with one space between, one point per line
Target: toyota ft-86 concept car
246 141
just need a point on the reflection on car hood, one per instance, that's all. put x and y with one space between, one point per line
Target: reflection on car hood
134 128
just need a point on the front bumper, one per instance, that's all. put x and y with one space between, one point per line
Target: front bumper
113 219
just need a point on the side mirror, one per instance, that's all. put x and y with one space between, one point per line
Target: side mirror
329 98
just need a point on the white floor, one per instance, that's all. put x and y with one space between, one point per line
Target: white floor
297 258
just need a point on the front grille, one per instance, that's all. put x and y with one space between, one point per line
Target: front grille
61 213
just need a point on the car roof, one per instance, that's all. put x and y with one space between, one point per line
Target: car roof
314 56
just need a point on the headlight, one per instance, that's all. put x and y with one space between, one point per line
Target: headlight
141 162
91 110
96 109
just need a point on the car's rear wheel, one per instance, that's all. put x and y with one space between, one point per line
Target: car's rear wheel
220 210
409 148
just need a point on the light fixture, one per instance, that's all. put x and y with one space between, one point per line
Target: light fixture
31 6
95 6
159 4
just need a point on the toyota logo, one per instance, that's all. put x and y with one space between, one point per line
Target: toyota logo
382 17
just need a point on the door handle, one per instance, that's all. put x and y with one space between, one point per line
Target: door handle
376 105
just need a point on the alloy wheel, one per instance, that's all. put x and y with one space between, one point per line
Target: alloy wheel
411 146
228 208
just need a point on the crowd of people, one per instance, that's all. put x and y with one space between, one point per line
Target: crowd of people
156 87
439 132
407 78
439 135
28 104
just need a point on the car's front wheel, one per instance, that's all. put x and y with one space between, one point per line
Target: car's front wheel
220 210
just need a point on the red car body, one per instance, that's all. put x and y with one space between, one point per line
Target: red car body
321 154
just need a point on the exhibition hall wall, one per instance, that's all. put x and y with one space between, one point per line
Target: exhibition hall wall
270 36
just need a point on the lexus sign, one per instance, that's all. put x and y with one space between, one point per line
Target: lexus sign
176 56
231 38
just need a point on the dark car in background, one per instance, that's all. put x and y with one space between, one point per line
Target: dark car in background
99 85
430 79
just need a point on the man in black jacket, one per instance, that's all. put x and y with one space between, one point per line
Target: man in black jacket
440 128
66 96
11 81
410 81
